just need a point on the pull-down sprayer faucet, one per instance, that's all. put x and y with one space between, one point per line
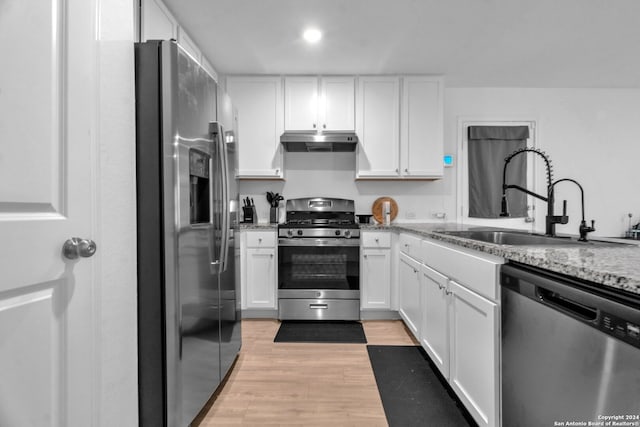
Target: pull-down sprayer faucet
551 219
584 229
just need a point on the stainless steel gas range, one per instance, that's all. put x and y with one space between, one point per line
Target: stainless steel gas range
318 260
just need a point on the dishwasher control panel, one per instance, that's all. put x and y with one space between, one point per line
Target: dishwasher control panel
620 328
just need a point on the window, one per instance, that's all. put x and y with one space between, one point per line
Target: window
488 146
483 147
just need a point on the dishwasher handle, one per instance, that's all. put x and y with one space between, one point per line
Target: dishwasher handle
567 305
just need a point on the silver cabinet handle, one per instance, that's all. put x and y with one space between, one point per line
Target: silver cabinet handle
271 255
397 170
324 126
377 240
406 170
319 306
365 255
448 292
314 125
259 239
77 247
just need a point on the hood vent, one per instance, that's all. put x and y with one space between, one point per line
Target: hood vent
319 142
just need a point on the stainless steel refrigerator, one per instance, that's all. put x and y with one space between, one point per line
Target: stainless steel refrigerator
188 235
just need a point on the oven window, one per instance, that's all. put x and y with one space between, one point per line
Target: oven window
304 267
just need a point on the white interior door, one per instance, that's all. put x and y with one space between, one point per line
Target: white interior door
47 195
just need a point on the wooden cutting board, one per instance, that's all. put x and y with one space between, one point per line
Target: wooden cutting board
377 211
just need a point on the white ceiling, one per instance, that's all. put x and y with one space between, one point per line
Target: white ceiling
509 43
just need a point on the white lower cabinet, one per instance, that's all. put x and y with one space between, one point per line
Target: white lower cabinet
376 279
259 270
409 293
459 326
435 318
375 271
473 362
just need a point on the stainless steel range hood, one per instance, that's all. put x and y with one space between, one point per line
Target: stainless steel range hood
319 142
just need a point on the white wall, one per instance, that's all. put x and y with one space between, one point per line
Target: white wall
333 175
116 296
590 135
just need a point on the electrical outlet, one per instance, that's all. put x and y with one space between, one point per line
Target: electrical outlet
439 215
410 215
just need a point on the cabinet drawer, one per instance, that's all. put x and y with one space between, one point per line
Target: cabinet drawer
410 245
319 309
261 239
478 272
375 240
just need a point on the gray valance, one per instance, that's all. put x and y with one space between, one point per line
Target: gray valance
488 146
499 132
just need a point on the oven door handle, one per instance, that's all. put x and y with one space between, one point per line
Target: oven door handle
306 242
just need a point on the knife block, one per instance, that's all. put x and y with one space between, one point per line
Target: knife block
249 215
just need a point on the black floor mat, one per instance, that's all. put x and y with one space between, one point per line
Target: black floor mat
321 331
412 392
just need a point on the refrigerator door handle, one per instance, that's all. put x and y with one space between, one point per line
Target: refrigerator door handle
224 244
213 193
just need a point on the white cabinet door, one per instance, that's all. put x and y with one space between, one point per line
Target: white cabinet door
435 321
421 143
185 41
336 105
157 22
260 278
409 290
301 103
258 100
325 104
377 126
474 343
376 278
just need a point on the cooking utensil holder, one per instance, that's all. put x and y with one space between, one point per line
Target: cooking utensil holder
274 215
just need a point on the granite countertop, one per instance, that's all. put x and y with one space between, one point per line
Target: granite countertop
258 226
612 266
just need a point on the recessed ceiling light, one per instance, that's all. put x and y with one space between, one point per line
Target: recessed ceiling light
312 35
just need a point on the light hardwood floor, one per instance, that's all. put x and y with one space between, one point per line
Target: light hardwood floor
290 384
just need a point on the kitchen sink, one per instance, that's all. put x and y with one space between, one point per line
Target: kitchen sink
522 238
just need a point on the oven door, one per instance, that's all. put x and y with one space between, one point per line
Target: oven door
318 268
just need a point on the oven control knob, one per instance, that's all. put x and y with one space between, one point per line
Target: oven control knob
337 232
347 233
290 233
299 232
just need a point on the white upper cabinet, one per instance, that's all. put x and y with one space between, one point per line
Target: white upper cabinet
377 126
337 103
421 142
301 103
157 22
189 45
400 132
319 104
259 103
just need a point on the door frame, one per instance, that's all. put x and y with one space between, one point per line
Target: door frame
462 187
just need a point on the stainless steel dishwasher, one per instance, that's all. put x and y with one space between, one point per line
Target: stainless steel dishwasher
570 351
